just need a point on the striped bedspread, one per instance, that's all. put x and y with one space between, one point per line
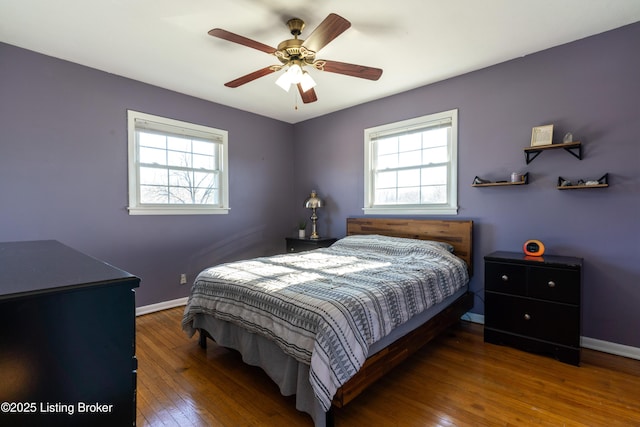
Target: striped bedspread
327 306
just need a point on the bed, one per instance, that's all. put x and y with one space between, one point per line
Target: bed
327 323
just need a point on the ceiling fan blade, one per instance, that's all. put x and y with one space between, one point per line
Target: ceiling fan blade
332 26
235 38
352 70
308 96
251 77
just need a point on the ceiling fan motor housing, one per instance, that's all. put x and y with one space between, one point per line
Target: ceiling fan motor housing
296 25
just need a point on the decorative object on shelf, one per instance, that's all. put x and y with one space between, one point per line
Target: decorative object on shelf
573 148
516 177
313 202
568 137
480 182
533 248
565 184
542 135
302 229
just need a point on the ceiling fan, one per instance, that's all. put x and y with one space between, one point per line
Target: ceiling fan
295 54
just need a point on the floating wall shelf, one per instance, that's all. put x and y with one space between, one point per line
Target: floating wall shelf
573 148
478 182
603 182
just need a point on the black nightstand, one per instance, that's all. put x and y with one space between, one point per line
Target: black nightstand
533 303
295 244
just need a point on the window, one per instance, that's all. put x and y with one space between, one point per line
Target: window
176 168
411 166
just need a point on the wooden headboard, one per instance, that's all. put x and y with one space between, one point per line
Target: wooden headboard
458 234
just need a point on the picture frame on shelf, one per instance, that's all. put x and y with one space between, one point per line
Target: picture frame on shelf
542 135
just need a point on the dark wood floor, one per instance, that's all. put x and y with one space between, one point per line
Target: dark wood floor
457 380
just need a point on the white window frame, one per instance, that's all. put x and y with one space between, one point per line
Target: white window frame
405 126
182 128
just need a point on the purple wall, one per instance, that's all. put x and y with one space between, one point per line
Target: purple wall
63 173
590 88
63 168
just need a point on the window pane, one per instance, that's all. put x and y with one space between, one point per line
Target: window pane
435 155
386 179
434 194
207 196
180 178
386 146
152 140
435 137
181 195
179 144
410 142
436 175
204 162
178 158
387 161
409 178
152 156
153 194
203 147
204 180
386 196
154 176
409 195
409 158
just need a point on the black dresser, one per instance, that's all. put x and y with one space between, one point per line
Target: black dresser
533 303
67 338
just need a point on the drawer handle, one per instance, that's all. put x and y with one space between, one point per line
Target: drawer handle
505 278
527 316
551 284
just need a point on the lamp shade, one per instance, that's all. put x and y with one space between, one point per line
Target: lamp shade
313 201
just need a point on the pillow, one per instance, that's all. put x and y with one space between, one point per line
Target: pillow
386 244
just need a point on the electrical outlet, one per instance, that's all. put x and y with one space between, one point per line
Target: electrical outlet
183 279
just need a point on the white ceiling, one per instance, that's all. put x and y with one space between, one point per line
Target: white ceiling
416 42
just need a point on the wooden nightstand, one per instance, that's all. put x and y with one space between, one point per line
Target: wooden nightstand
533 303
295 244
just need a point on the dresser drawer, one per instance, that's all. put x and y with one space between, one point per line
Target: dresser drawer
507 278
554 284
559 323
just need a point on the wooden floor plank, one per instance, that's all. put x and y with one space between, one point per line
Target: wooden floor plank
457 380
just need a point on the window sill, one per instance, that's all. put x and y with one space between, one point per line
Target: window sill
178 210
408 210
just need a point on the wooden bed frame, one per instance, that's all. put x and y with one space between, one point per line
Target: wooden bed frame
457 233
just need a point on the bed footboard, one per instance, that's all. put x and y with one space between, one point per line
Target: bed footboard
377 365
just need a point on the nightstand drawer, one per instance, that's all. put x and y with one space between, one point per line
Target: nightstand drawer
295 244
507 278
554 284
558 323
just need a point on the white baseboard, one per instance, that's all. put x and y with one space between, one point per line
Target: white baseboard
610 347
146 309
473 318
585 342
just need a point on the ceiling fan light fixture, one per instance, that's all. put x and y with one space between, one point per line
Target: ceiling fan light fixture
284 81
307 82
293 76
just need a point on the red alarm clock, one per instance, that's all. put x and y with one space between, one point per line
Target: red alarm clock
533 248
